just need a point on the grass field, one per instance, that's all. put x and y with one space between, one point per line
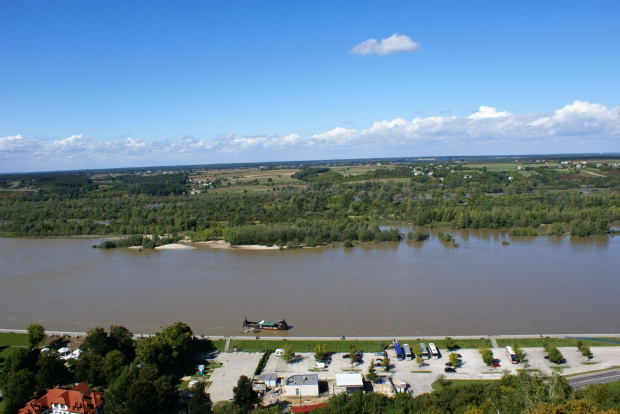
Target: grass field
306 346
13 339
339 346
557 342
437 385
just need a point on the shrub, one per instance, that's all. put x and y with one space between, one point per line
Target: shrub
555 355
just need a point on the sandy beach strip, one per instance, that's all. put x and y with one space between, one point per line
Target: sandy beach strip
221 244
174 246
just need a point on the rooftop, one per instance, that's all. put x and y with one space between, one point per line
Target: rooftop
349 380
309 379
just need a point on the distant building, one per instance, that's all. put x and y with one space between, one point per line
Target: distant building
302 386
78 400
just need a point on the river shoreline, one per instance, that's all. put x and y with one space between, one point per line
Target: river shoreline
251 337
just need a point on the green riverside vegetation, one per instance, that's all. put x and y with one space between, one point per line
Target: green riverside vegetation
313 206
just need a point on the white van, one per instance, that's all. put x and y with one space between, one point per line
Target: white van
279 352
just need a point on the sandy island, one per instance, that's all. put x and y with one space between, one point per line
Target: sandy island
221 244
174 246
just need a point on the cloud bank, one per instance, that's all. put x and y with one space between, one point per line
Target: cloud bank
578 127
393 44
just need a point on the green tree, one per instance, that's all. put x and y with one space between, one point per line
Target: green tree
180 337
36 334
141 399
555 355
51 370
417 351
520 353
120 338
450 344
96 342
454 360
22 358
559 389
487 356
371 375
200 401
352 355
245 398
18 390
585 351
157 351
386 363
288 353
113 364
320 351
89 368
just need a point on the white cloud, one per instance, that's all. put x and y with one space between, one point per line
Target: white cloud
577 127
485 112
393 44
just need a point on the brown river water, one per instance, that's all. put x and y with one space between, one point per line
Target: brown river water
534 285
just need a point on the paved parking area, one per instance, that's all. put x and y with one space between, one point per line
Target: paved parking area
419 378
234 365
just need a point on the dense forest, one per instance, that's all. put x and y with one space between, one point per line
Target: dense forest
317 205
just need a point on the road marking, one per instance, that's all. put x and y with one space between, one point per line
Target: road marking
597 379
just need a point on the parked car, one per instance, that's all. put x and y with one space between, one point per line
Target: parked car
448 364
448 369
359 353
495 365
345 356
379 354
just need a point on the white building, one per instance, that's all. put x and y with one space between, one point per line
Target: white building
302 386
348 383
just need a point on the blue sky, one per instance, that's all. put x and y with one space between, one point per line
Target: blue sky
111 84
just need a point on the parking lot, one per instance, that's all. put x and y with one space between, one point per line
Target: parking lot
234 365
418 377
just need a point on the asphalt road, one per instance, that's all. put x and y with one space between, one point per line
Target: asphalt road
601 377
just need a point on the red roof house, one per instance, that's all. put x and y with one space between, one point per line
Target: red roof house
78 400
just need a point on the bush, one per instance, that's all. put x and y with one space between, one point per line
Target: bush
445 237
487 356
585 351
262 362
523 231
555 355
417 236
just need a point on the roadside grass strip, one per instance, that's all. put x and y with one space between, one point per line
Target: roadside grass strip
421 372
262 345
615 367
557 342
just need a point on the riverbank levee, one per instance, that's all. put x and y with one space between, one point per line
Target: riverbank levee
255 343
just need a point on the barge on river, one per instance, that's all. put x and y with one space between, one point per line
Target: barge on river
281 325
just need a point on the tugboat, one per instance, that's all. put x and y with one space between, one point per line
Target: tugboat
281 325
